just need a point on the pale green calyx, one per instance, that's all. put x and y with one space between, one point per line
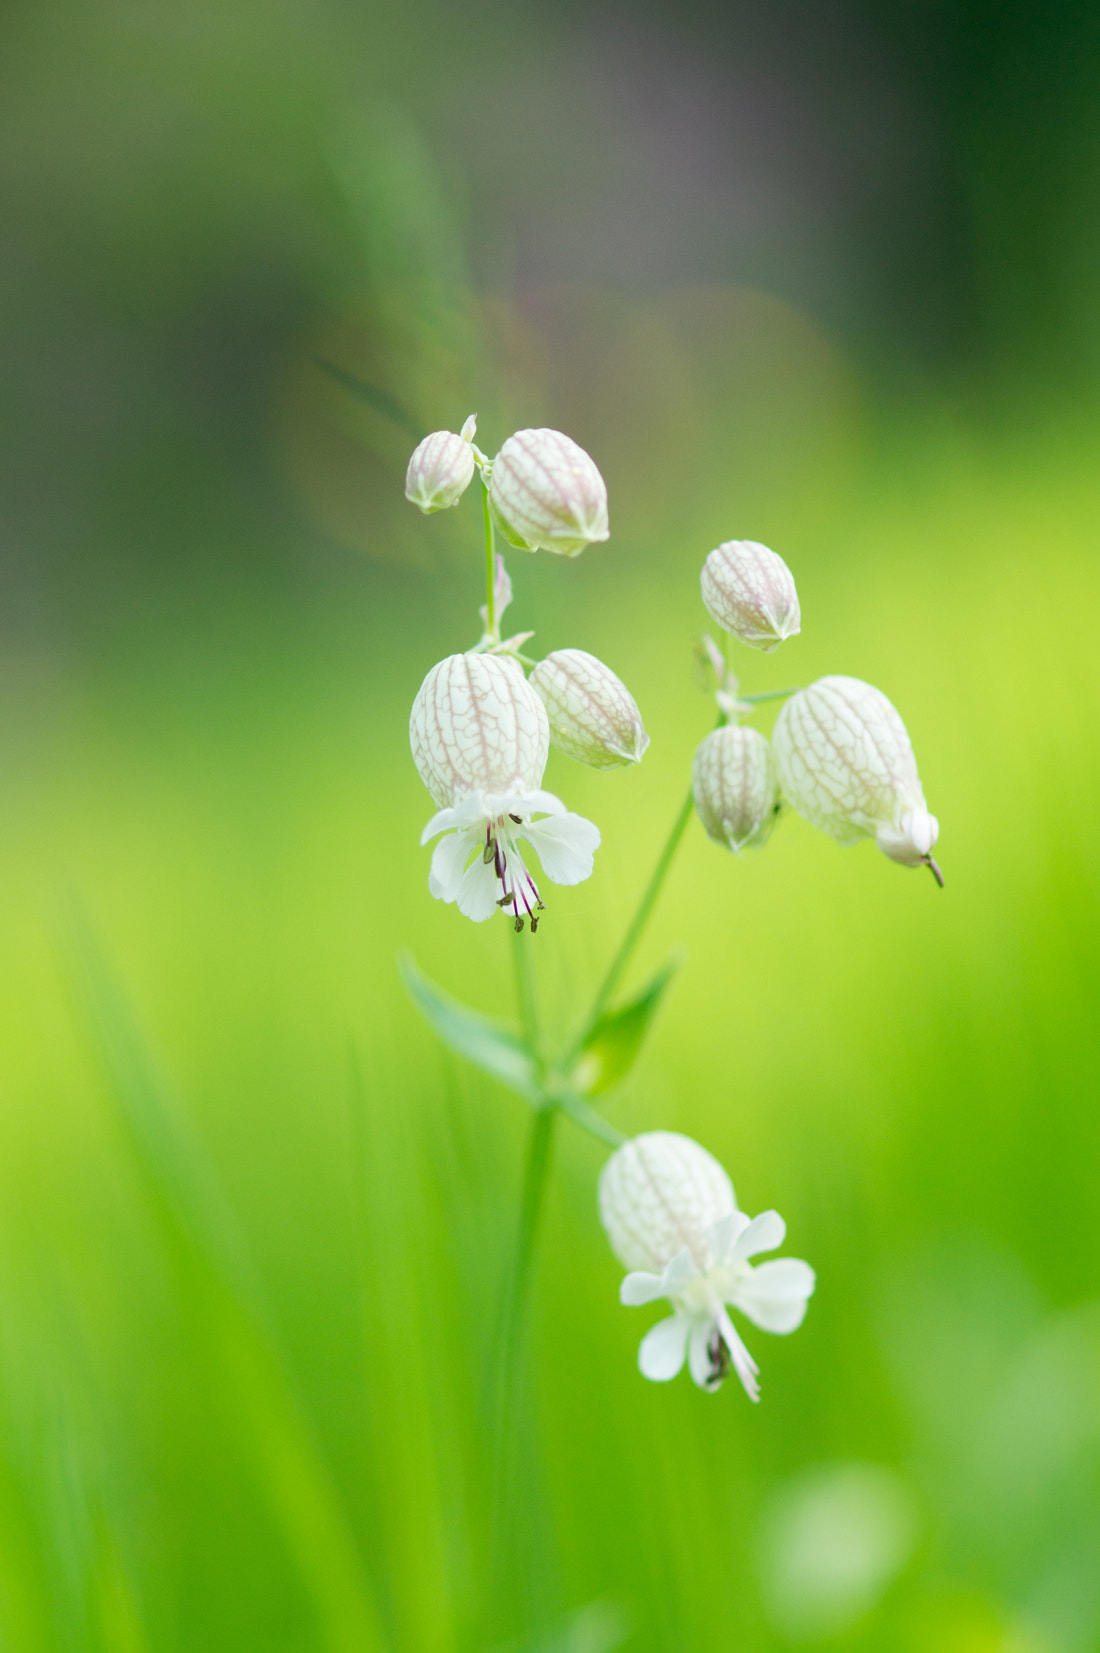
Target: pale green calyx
750 591
546 494
593 716
441 469
736 787
847 766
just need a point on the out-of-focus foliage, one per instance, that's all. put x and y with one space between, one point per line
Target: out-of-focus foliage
254 1222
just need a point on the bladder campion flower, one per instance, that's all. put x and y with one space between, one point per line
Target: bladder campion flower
735 786
547 495
593 715
750 591
847 766
672 1219
480 739
441 469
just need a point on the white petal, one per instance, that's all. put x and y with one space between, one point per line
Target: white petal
679 1271
774 1295
661 1351
764 1233
723 1235
477 893
565 846
743 1363
448 864
699 1361
523 803
640 1287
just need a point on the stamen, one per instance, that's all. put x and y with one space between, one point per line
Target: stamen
490 851
518 819
518 925
934 870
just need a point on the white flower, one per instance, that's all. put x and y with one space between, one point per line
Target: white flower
441 469
593 715
480 740
546 493
672 1219
735 786
480 864
847 766
750 591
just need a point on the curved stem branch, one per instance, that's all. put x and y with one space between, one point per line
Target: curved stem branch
490 566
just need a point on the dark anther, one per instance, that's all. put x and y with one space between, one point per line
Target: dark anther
519 923
518 819
534 922
489 851
506 900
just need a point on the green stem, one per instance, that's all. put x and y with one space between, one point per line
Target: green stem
768 694
490 566
637 925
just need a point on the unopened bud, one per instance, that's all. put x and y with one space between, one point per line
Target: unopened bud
478 726
750 591
736 787
593 715
846 765
658 1193
546 494
440 470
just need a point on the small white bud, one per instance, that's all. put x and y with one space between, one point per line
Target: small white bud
736 787
750 591
593 716
440 471
546 494
658 1193
846 765
478 726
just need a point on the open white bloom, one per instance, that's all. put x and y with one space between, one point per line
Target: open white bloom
735 786
441 469
847 766
480 740
546 494
672 1219
593 715
750 591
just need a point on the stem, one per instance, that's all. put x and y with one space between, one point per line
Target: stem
768 694
637 925
490 566
588 1119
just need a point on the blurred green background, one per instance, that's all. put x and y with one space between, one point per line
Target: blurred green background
825 275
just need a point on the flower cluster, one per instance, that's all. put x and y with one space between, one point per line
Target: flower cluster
839 753
480 730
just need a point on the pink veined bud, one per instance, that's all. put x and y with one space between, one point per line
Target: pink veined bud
546 494
478 726
440 471
593 715
846 765
736 787
750 591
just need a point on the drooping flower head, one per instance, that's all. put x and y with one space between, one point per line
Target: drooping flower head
847 766
441 469
750 591
546 494
480 739
669 1211
593 715
735 786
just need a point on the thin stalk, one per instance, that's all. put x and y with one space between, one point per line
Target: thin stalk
767 694
637 925
490 565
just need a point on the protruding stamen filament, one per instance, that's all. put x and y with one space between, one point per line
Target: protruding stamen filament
934 870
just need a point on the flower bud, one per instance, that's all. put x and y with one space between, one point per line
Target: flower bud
658 1193
546 494
593 715
736 787
478 726
750 591
846 765
440 471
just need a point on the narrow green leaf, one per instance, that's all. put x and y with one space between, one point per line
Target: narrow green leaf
494 1049
611 1049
